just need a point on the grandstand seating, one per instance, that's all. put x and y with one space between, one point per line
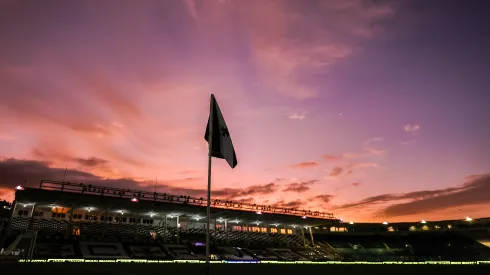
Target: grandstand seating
99 239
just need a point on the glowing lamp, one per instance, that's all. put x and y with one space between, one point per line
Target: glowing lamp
134 200
19 187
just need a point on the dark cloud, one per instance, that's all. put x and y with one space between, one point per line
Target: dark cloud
299 186
335 171
234 193
475 191
15 172
296 204
324 198
91 162
49 152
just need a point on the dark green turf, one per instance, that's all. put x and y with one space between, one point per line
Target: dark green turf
234 269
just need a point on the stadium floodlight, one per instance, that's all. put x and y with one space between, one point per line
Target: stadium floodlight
19 187
423 221
468 219
197 217
351 222
134 200
385 223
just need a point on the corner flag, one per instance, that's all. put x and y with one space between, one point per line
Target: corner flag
222 146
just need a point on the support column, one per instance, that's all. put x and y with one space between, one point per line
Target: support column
69 227
303 236
106 220
248 234
311 235
215 234
178 227
165 229
135 233
226 231
31 217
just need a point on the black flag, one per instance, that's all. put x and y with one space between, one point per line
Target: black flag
222 146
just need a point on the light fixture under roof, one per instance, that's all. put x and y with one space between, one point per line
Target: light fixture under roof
197 217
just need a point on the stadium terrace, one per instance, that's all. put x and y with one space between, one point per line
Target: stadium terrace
62 220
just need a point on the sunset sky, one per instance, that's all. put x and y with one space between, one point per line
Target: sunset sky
371 110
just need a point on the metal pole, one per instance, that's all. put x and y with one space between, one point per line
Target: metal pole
208 206
64 175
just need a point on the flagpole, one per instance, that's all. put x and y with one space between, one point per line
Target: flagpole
208 207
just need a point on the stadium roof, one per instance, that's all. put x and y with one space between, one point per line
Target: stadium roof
77 195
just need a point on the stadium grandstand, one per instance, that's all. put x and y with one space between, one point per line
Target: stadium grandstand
63 220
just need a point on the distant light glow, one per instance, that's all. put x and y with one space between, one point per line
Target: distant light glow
468 219
423 221
19 187
351 222
134 200
385 223
259 212
304 217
